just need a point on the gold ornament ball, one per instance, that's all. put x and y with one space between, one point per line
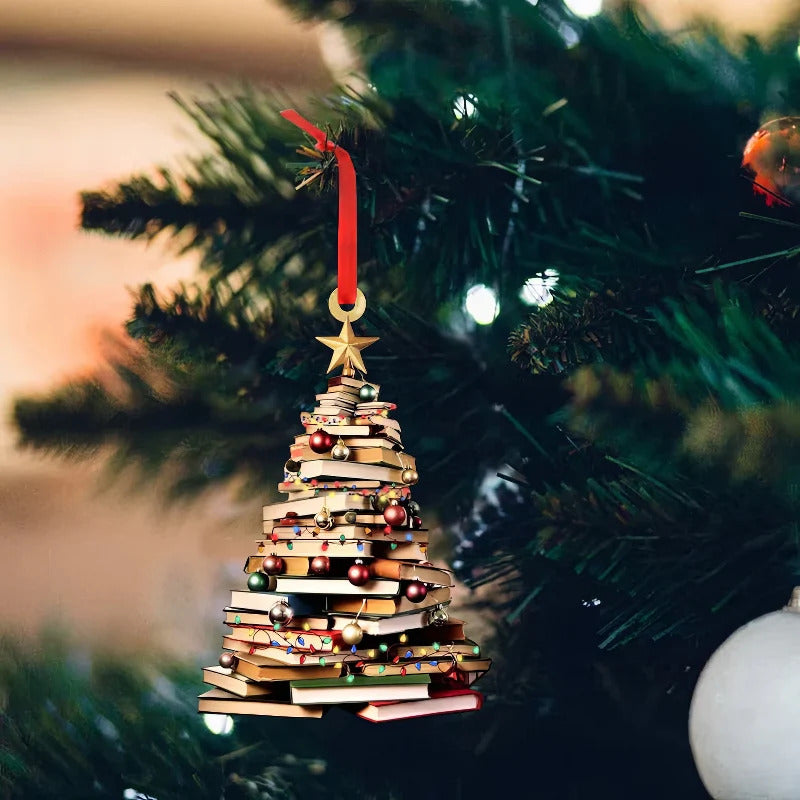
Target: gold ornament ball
341 452
352 633
409 475
350 517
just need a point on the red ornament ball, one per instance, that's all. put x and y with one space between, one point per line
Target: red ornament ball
227 660
395 515
416 591
273 565
771 160
320 441
358 574
320 565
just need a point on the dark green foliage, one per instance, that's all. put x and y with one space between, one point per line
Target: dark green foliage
646 422
74 726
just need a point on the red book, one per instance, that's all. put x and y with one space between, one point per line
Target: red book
441 701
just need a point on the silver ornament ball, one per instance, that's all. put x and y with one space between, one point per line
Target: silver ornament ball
281 614
341 452
323 520
437 616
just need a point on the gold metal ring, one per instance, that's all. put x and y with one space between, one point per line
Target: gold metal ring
337 312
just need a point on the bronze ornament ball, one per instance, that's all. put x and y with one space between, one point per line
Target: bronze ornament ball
352 633
350 517
367 393
395 515
320 565
409 476
358 574
320 441
257 582
273 565
292 467
281 614
416 591
227 660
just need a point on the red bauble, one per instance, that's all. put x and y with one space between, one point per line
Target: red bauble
416 522
395 515
358 574
320 441
416 591
772 160
273 565
320 565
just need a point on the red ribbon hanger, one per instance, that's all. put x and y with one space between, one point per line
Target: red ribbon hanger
348 230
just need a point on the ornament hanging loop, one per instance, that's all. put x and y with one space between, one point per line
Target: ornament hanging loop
356 312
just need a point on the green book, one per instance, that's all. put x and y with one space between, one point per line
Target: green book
362 689
360 680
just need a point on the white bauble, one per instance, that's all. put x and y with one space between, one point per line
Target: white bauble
745 712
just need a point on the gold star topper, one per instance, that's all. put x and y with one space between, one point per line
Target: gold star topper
347 349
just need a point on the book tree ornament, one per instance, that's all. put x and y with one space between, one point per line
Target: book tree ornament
342 607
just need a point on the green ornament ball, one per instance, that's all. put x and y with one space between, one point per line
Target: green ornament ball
367 393
380 502
257 582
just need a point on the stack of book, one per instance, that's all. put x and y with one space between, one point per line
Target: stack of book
342 607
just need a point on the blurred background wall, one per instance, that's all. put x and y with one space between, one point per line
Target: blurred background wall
83 100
